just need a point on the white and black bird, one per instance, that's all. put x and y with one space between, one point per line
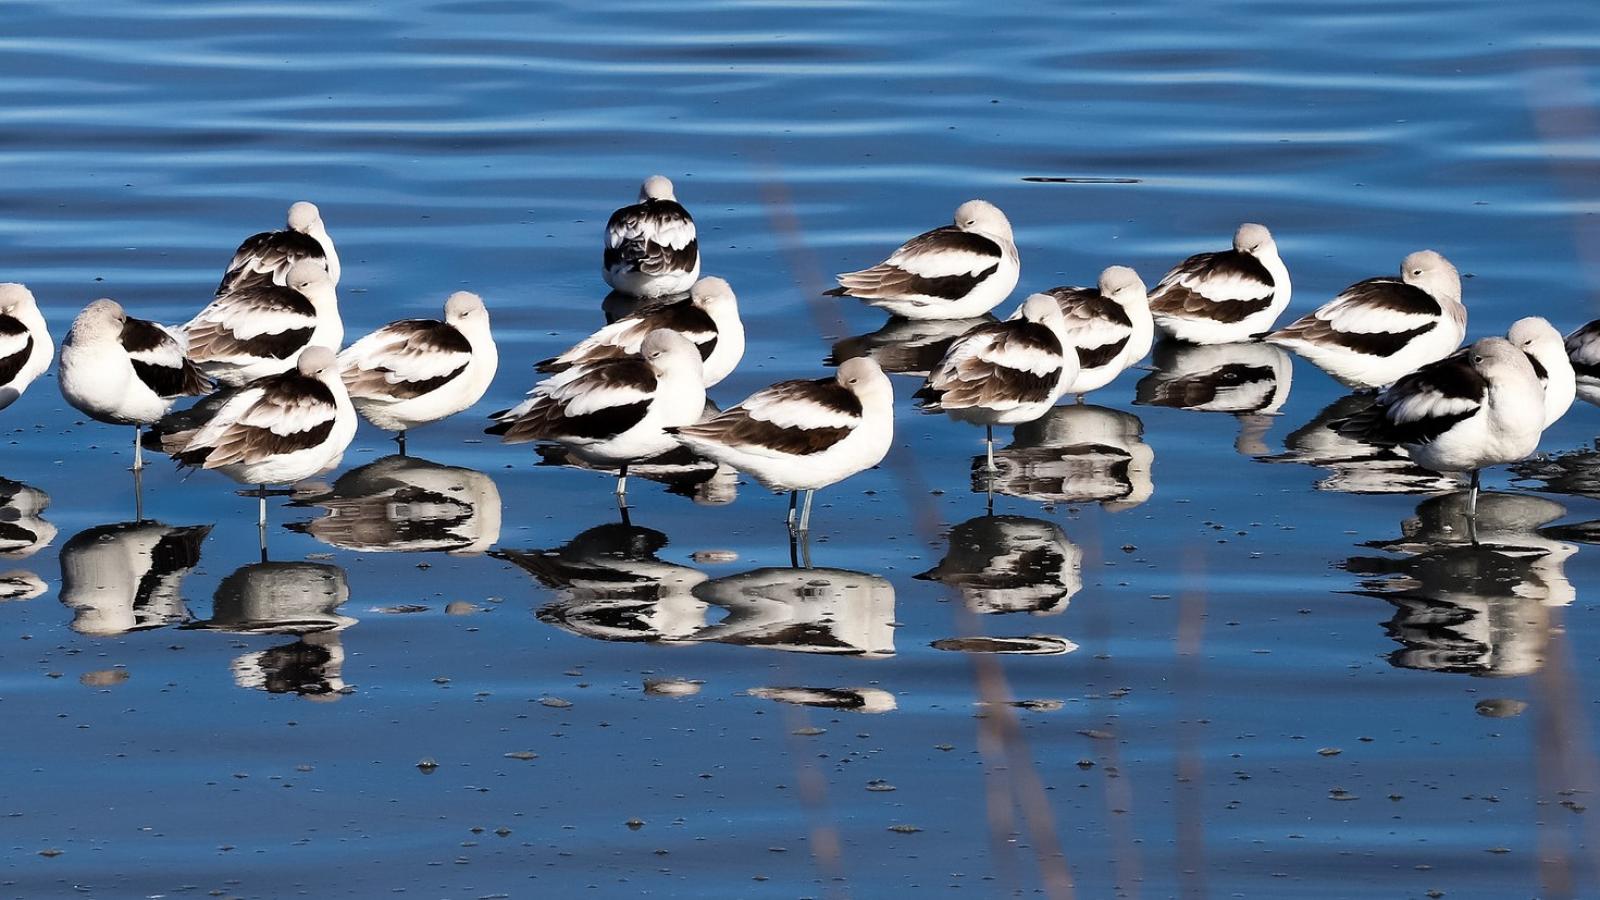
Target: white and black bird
126 576
1004 373
415 372
1543 345
1583 350
1463 413
260 328
1109 326
125 371
803 435
1226 296
708 317
651 246
958 271
25 345
270 255
614 411
1380 329
276 430
405 504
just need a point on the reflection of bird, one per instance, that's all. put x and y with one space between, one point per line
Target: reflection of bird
853 699
312 666
1479 607
804 610
1465 412
1227 296
1379 329
20 584
259 328
125 371
1575 472
957 271
126 576
1011 564
274 253
403 503
1583 351
1004 373
1027 645
25 345
905 346
1356 465
708 317
611 585
1075 454
23 530
293 598
803 435
417 371
1109 326
651 246
705 481
613 412
1251 380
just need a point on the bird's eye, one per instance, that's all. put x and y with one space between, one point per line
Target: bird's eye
1416 271
854 380
1477 359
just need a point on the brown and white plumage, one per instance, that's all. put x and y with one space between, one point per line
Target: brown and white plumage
270 255
651 247
1227 296
1379 329
708 317
1002 373
259 328
417 371
1109 326
25 345
958 271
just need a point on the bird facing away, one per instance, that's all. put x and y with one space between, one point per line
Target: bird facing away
959 271
270 255
25 345
1583 350
803 435
1543 345
415 372
1004 373
1231 295
615 411
1463 413
651 247
1109 326
1379 329
260 328
125 371
709 318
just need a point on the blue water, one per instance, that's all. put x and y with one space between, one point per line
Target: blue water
1227 627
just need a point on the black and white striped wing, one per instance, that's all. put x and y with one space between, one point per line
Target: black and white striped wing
655 237
1420 407
999 366
593 402
1583 348
790 418
270 254
16 346
1224 287
276 415
257 321
943 264
160 362
1378 317
624 336
1096 326
405 359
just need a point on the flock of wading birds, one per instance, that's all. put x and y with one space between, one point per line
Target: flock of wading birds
280 400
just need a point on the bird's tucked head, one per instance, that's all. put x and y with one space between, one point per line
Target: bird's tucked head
983 217
1433 273
1535 335
1122 284
308 275
315 361
1255 240
863 377
656 187
711 293
305 218
14 298
1498 358
101 320
464 306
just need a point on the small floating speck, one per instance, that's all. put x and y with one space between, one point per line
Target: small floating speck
1079 179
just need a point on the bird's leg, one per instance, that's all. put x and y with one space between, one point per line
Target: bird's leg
794 497
1080 399
1472 510
261 520
401 440
805 513
988 448
138 494
138 451
794 549
805 549
622 487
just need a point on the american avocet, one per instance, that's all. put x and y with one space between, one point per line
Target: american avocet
958 271
259 328
651 247
271 254
1109 326
709 318
1226 296
25 345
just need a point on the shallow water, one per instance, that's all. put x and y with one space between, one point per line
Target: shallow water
1220 627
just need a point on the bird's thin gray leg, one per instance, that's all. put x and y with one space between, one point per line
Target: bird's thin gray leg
988 447
622 488
261 520
805 513
794 498
138 451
